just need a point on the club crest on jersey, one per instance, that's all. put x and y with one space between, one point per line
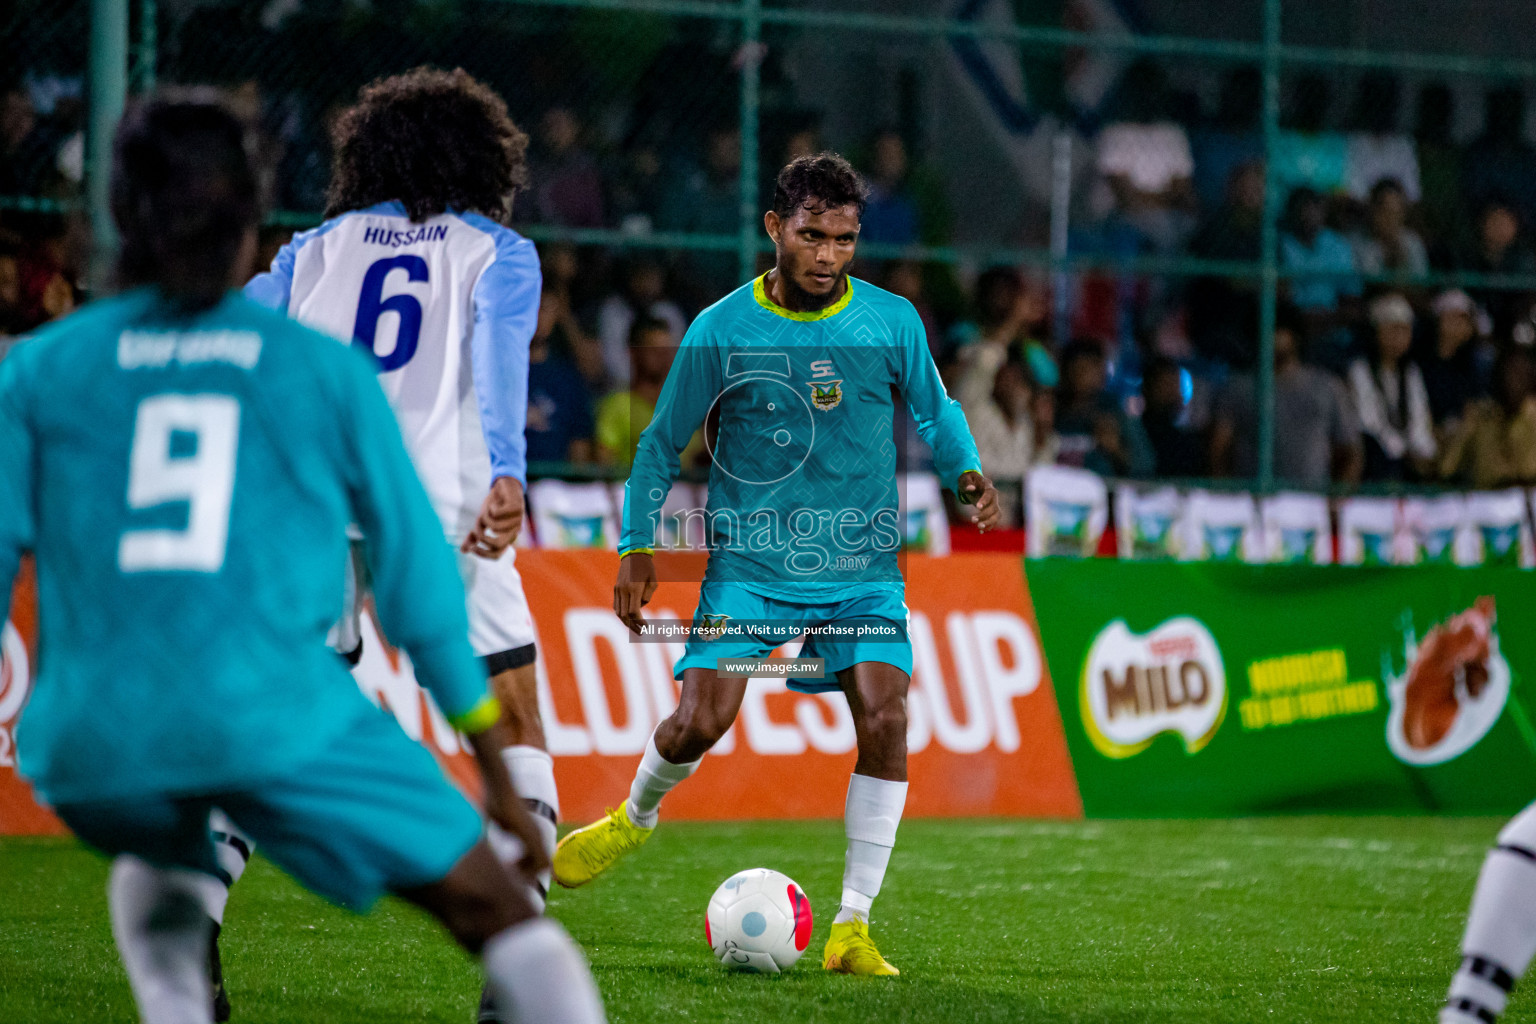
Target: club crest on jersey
826 394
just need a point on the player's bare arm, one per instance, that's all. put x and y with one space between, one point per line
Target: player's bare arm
977 491
634 588
499 522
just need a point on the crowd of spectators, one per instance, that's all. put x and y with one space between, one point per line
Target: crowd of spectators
1377 377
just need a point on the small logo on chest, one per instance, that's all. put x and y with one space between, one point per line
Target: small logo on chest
825 394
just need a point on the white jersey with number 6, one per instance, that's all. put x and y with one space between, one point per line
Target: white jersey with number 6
447 306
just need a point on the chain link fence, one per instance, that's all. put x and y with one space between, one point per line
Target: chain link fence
1095 188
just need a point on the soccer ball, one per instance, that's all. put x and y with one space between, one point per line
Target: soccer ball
758 920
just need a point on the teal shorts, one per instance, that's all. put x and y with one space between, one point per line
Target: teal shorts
877 620
372 814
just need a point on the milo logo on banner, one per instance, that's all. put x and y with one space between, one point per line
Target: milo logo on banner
1135 687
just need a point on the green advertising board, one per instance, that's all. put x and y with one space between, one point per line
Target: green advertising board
1198 689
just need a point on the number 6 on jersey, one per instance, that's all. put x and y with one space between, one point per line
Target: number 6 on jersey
371 305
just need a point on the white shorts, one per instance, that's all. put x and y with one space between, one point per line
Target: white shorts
500 625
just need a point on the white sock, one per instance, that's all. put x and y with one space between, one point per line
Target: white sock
654 779
870 818
538 976
161 923
1501 928
232 848
533 776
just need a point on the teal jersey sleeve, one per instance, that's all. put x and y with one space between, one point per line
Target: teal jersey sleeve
416 586
17 471
692 385
940 421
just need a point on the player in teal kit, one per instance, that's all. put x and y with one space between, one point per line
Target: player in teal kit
184 465
793 377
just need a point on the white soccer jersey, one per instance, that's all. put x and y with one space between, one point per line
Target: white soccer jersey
448 307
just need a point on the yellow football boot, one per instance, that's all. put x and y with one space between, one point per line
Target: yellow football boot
851 951
588 852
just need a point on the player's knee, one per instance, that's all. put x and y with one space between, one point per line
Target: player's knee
700 725
517 692
473 916
475 900
885 724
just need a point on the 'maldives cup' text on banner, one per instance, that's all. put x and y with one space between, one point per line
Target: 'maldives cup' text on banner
984 736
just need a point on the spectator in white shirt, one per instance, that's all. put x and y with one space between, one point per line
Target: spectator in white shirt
1145 158
1375 148
1388 391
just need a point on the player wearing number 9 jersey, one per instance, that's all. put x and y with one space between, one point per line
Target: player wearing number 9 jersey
183 464
415 266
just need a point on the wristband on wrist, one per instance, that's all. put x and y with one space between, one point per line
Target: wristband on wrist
485 713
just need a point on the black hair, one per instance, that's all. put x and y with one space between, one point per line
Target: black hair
1378 98
643 325
997 278
818 183
1300 196
1242 99
1504 113
1385 185
638 263
1289 318
991 285
1087 349
432 140
1082 348
1142 96
1434 113
183 194
1159 364
1310 98
1498 201
1016 359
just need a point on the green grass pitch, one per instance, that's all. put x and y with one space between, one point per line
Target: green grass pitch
1281 919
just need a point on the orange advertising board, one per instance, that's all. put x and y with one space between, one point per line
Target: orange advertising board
984 736
19 813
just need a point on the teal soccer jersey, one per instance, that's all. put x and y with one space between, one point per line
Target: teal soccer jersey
798 410
186 483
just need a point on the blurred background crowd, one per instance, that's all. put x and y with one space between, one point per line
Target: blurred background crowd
1379 376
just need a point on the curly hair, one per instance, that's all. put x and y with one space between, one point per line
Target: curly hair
431 139
818 183
183 194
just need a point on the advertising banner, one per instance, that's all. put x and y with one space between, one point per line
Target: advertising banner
985 736
1223 689
19 814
